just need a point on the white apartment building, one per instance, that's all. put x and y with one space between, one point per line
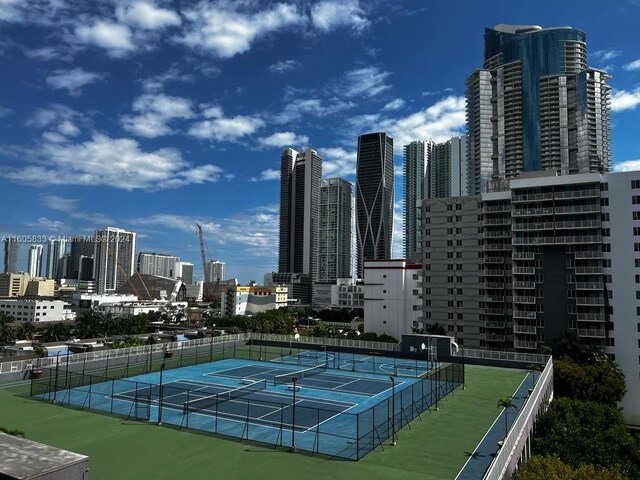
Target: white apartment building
392 296
35 310
249 300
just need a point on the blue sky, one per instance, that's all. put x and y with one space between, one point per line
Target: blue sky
152 115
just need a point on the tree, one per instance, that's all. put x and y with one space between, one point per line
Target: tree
436 329
56 332
7 332
601 381
506 403
89 325
543 468
582 433
534 367
26 331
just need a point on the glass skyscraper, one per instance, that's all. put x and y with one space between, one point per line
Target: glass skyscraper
535 105
374 198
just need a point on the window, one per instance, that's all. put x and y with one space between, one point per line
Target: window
604 202
604 187
606 247
636 215
635 184
604 217
606 232
635 199
460 329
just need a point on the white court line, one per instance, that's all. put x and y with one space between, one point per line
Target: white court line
348 383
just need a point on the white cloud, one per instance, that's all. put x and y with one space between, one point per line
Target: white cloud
257 229
72 80
439 122
284 66
70 207
267 175
113 37
225 128
338 162
4 111
60 120
224 30
331 14
635 65
396 104
284 139
44 53
173 74
625 100
606 55
10 10
147 15
118 163
626 166
429 93
44 224
365 82
298 108
155 111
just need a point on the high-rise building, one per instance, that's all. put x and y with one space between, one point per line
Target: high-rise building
536 105
416 157
374 198
555 256
80 247
184 271
114 257
157 264
334 253
431 170
11 250
215 271
55 254
35 261
300 177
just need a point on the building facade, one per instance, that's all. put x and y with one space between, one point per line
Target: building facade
249 300
114 258
40 287
215 271
35 260
82 248
392 297
157 264
11 251
55 253
431 170
514 268
374 198
334 251
24 310
13 284
185 272
536 105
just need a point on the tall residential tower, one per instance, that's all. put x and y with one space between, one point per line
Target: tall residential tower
536 105
300 177
35 261
374 198
114 258
334 255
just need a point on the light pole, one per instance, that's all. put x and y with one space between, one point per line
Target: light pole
161 395
293 417
393 410
296 336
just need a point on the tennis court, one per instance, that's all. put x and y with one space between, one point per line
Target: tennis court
312 405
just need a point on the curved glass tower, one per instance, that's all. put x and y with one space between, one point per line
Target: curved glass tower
536 105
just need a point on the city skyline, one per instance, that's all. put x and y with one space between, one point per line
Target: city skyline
152 116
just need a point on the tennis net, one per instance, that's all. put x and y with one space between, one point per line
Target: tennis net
307 372
204 403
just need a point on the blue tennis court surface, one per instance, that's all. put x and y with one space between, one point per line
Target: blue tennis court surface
318 402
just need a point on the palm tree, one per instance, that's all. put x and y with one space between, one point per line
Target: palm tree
534 367
506 403
26 331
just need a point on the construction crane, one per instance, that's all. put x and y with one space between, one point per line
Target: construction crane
205 283
127 278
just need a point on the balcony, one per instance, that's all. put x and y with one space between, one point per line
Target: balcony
524 270
591 333
494 298
521 227
524 256
494 324
587 301
589 285
493 273
590 317
525 344
524 329
494 260
524 299
593 270
531 212
586 255
578 194
524 285
532 197
495 337
494 311
524 314
497 246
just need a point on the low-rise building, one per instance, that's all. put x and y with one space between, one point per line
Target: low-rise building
392 296
249 300
13 284
41 287
130 309
32 310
